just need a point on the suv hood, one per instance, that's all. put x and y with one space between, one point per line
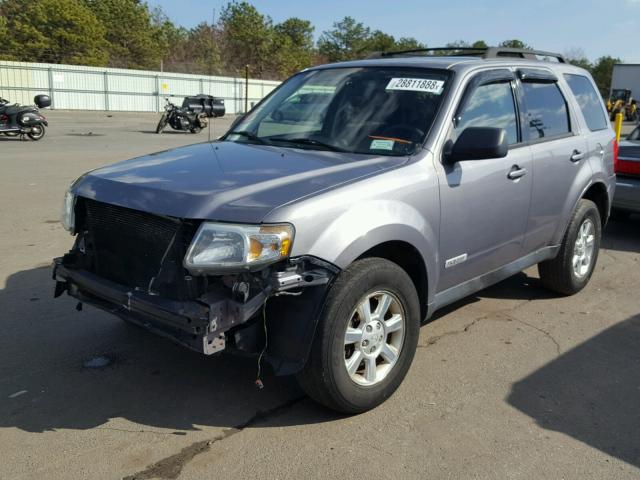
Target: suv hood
225 181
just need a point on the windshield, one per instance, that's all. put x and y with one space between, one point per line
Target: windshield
384 111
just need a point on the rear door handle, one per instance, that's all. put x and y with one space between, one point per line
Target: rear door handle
516 172
576 156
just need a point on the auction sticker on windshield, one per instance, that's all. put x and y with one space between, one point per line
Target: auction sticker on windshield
381 144
416 85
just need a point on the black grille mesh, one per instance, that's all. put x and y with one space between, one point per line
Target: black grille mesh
128 247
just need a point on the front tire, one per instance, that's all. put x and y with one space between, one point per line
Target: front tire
162 123
366 337
572 268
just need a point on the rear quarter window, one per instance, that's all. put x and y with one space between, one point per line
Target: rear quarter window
546 110
589 101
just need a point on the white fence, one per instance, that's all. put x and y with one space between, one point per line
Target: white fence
113 89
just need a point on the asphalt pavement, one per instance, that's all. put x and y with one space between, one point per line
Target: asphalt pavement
513 382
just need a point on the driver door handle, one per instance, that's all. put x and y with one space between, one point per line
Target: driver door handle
576 156
516 172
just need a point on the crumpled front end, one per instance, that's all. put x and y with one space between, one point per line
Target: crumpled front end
130 263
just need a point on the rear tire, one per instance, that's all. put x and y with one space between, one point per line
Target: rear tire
371 322
36 133
572 268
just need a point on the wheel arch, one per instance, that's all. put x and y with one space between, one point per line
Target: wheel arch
597 192
407 257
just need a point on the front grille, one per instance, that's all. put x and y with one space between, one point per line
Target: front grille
136 249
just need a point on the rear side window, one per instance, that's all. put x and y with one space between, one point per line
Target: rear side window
547 113
490 105
589 101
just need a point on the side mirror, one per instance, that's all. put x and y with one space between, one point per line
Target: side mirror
479 143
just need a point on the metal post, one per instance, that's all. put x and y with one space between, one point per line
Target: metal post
618 125
106 91
237 94
246 89
53 106
157 93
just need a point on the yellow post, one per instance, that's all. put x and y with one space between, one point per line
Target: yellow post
618 126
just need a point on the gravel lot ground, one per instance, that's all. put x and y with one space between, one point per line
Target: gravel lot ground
510 383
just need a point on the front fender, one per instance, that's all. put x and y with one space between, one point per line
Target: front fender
368 224
354 232
339 225
401 205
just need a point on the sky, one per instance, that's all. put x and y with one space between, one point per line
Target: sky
594 26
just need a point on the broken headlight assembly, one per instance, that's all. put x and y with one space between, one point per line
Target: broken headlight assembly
67 216
223 248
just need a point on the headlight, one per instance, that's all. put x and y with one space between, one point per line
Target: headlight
68 216
223 247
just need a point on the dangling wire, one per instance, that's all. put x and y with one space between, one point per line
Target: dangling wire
259 383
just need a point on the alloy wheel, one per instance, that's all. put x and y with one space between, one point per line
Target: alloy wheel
374 338
583 248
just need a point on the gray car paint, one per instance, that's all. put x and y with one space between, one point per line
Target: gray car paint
414 194
225 181
343 205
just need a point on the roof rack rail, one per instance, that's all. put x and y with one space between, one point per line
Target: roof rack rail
482 52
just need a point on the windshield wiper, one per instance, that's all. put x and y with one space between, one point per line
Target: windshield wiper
250 136
310 141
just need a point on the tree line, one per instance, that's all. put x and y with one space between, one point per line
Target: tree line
130 34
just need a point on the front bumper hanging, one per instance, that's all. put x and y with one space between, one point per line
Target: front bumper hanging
201 324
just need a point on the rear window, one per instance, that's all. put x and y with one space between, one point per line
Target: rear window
547 113
589 101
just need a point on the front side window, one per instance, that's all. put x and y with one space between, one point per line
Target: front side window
589 101
373 110
490 105
547 114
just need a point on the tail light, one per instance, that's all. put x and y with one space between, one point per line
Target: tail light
615 155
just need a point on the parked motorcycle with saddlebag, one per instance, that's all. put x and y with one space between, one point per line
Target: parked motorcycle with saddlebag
24 119
193 115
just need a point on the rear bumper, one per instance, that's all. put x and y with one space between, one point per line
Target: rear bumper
198 324
627 196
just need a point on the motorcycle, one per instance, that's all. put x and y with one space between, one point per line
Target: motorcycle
24 119
193 115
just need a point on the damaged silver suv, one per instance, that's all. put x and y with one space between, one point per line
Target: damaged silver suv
348 206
